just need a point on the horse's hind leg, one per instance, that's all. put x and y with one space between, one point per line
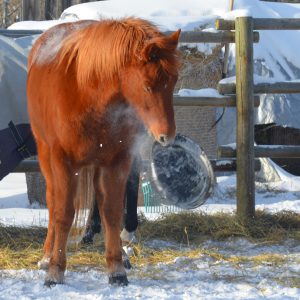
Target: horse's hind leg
64 191
112 183
44 160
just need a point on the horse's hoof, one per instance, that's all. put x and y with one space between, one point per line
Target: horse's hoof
50 283
43 264
126 263
118 279
54 276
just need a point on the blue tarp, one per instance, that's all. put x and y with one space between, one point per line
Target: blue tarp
16 140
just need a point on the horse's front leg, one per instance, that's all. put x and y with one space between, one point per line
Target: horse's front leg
64 191
113 182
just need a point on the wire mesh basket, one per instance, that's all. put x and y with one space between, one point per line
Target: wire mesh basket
153 201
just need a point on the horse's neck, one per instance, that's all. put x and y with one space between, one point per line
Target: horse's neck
108 104
103 96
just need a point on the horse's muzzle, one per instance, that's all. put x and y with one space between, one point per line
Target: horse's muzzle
165 140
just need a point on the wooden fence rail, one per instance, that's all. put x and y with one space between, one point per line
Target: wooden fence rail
263 24
210 37
217 165
285 87
225 101
19 33
274 151
185 36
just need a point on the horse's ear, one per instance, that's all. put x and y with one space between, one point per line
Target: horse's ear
174 38
156 47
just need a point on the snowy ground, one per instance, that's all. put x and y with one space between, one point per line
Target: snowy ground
203 277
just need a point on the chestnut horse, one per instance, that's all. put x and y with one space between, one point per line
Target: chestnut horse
91 84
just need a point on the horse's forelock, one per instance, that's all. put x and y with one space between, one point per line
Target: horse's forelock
100 50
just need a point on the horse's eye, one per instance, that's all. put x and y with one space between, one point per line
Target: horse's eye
147 89
153 57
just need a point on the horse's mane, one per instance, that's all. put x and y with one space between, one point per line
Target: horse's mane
99 51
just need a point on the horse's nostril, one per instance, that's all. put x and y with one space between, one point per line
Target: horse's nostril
163 139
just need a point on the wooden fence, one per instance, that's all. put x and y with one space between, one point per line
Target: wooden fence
244 88
46 9
12 11
240 94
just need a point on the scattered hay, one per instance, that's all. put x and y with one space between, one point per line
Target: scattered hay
20 259
86 260
21 248
189 227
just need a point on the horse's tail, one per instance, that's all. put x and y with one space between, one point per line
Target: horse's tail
84 201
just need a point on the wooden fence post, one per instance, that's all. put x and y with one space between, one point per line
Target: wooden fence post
54 8
245 116
51 9
5 13
32 10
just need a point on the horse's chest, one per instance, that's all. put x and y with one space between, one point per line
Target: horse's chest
101 138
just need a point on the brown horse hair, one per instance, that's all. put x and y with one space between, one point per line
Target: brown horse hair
129 37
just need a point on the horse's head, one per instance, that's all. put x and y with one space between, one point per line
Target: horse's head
148 85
